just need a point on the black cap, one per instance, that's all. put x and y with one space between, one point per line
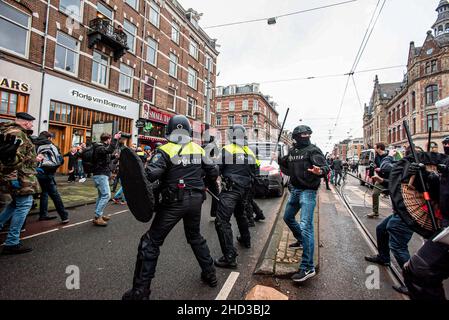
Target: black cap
25 116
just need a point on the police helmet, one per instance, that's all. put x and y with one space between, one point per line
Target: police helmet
179 130
237 134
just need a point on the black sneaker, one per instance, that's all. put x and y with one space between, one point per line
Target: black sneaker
226 263
377 260
303 275
46 218
251 223
296 245
65 221
17 249
210 278
259 217
246 244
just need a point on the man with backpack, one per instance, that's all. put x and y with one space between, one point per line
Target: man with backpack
46 177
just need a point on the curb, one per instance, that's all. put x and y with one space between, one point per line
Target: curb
267 264
267 260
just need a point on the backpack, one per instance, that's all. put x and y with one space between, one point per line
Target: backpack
88 159
52 157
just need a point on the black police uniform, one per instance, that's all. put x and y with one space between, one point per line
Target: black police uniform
180 170
238 167
429 267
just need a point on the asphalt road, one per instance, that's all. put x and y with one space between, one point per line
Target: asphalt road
106 257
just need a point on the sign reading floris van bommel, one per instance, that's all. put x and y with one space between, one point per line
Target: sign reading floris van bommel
14 85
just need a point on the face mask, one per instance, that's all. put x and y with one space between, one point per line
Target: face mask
446 151
302 142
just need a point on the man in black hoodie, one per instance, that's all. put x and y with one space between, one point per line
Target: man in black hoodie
306 166
46 176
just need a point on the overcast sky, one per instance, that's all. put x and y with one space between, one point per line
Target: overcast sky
312 44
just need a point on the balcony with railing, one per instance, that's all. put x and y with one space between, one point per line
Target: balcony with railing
103 31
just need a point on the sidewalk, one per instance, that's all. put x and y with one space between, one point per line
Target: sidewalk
280 261
73 194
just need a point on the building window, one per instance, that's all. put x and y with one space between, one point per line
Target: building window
155 12
171 99
175 32
245 105
398 113
394 135
414 126
231 120
389 136
100 68
15 26
209 63
432 122
104 12
431 95
66 57
256 105
389 117
232 90
152 51
245 120
218 106
126 79
231 105
393 116
193 49
192 78
71 8
399 133
173 67
133 3
149 89
8 104
219 92
130 31
255 119
218 121
191 107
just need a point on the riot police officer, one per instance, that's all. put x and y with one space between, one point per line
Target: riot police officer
305 165
179 166
238 167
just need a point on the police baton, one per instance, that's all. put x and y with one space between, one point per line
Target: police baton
212 194
280 135
421 178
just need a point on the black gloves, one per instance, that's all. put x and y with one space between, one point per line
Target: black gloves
8 147
415 168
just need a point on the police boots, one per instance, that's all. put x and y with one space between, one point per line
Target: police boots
227 263
137 294
210 278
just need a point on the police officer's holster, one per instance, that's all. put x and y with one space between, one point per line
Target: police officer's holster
174 207
232 201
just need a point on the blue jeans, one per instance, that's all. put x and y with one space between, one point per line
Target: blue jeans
17 211
104 194
119 195
393 234
304 200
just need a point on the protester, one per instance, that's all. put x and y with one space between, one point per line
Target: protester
73 156
380 155
102 172
21 183
337 166
46 177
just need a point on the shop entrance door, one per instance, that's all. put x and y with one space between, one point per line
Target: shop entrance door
60 141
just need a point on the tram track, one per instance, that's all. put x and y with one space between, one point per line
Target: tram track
393 271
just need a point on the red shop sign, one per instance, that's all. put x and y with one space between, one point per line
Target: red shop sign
155 115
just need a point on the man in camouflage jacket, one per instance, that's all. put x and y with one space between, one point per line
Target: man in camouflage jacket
18 180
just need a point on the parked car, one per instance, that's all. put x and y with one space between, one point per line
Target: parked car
270 180
366 161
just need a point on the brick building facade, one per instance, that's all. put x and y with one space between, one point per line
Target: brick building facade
247 106
75 63
414 99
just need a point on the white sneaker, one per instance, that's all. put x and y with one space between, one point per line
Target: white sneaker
82 180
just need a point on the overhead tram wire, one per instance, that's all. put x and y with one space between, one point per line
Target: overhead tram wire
357 93
366 38
280 16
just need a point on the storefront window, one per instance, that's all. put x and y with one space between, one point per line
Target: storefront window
9 103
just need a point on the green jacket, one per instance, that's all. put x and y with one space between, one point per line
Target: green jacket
22 172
